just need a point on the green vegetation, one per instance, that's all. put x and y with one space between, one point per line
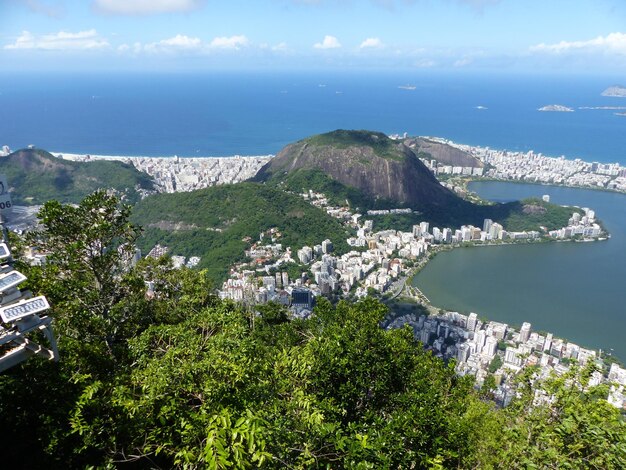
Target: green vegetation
382 145
495 364
402 222
533 213
36 176
518 216
213 223
181 379
338 193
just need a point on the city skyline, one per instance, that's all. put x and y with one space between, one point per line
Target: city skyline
580 36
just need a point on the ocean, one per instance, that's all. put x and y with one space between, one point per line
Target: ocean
221 114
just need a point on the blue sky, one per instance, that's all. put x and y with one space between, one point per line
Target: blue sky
529 36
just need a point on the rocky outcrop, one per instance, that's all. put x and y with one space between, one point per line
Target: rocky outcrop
443 153
369 161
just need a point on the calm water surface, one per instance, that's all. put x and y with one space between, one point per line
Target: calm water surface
574 290
258 113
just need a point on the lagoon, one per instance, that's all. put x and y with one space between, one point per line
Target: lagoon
576 291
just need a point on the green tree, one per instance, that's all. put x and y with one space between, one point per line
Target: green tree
561 422
86 277
495 363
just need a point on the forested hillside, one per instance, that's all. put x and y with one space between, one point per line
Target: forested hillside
36 176
214 223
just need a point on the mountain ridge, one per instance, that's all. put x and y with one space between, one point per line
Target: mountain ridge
36 176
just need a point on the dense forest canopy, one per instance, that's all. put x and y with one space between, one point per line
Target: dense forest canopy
215 223
36 176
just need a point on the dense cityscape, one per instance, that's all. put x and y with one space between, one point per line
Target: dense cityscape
173 174
386 260
534 167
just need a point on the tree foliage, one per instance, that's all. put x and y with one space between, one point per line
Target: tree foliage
36 176
87 276
215 222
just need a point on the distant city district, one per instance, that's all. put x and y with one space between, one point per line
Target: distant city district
537 168
175 174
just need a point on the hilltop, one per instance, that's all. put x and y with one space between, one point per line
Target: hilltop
36 176
215 223
442 153
366 169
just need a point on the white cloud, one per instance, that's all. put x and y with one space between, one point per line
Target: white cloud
232 42
187 44
281 46
145 7
371 43
329 42
177 43
182 41
614 43
424 63
463 62
83 40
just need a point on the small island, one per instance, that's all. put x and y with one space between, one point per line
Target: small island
616 91
556 108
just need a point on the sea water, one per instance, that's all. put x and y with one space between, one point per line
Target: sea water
252 113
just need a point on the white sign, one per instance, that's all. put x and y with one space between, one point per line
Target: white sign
4 251
5 197
23 308
10 280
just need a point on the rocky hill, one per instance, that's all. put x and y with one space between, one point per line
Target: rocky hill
367 169
442 153
36 176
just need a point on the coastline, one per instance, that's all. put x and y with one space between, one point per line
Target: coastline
472 179
564 169
422 300
439 305
88 156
